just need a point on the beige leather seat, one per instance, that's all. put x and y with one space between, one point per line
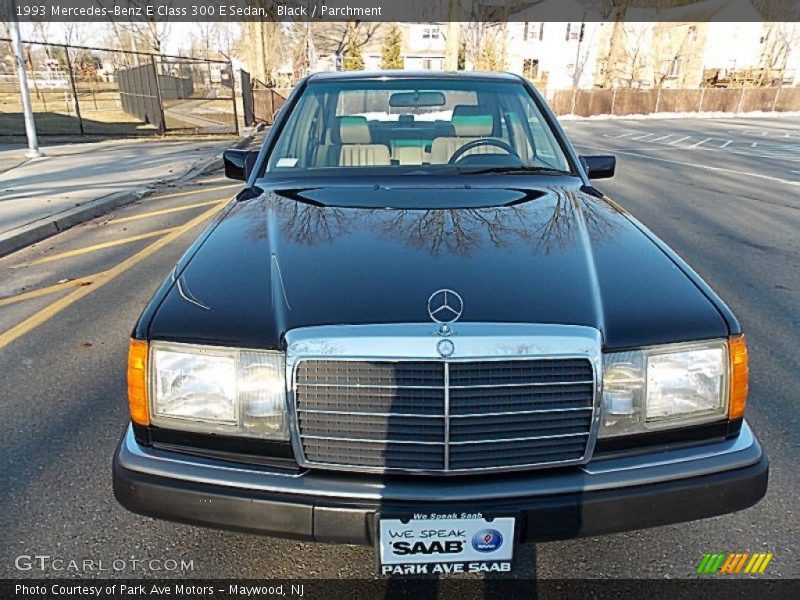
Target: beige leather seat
409 155
469 123
357 149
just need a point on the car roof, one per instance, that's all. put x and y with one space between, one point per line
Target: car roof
397 75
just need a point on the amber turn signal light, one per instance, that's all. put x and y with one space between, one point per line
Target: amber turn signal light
137 382
740 373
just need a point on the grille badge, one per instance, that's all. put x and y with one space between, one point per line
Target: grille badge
445 348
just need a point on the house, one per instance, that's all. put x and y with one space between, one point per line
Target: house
424 45
712 42
423 49
683 46
554 55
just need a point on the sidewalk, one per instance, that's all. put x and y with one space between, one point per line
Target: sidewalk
77 182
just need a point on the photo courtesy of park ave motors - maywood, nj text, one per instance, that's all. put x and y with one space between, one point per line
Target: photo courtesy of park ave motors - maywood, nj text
453 298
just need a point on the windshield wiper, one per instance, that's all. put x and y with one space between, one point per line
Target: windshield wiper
513 170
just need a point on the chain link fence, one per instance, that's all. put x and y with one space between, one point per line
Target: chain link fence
77 90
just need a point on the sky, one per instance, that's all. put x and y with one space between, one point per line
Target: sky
96 34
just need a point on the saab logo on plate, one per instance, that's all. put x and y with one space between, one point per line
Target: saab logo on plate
435 547
487 540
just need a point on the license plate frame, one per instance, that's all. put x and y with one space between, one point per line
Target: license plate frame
468 552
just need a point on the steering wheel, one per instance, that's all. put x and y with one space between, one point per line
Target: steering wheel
481 142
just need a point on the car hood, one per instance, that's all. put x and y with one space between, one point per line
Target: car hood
284 258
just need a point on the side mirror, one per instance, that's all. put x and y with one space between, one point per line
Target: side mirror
599 167
239 163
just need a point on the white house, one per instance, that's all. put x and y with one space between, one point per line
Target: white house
733 45
424 46
554 55
423 49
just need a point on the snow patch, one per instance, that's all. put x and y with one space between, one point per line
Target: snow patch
759 114
444 115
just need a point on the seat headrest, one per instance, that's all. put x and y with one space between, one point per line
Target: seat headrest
472 121
352 130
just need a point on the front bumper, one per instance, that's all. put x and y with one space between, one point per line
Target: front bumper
605 496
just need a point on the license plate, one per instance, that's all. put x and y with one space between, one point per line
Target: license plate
432 543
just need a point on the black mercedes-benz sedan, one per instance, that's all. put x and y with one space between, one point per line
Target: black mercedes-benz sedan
419 326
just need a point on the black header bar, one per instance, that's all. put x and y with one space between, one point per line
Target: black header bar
400 10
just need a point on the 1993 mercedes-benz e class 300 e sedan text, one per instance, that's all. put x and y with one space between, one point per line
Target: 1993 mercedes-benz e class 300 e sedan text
420 327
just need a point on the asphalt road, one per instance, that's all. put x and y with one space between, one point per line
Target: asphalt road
730 205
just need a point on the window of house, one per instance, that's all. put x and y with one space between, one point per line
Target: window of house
530 68
575 31
534 30
671 68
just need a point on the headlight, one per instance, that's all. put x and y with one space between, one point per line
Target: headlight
218 390
665 386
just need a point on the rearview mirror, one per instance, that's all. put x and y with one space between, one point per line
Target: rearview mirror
599 167
416 99
239 163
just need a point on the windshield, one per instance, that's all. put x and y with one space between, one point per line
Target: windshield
415 126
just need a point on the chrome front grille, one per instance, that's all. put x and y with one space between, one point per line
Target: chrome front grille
444 416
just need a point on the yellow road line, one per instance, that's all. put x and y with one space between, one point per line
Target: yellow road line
165 211
56 307
191 192
95 247
50 289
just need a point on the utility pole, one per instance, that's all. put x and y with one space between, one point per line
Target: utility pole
22 76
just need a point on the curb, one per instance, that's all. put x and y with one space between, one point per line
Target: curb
41 229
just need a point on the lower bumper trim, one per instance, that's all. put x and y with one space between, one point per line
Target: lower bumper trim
556 517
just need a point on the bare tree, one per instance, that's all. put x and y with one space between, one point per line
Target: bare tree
779 40
582 53
206 29
226 36
5 30
148 35
264 48
616 44
636 55
453 33
485 30
482 49
42 31
74 33
333 38
119 38
491 51
665 66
